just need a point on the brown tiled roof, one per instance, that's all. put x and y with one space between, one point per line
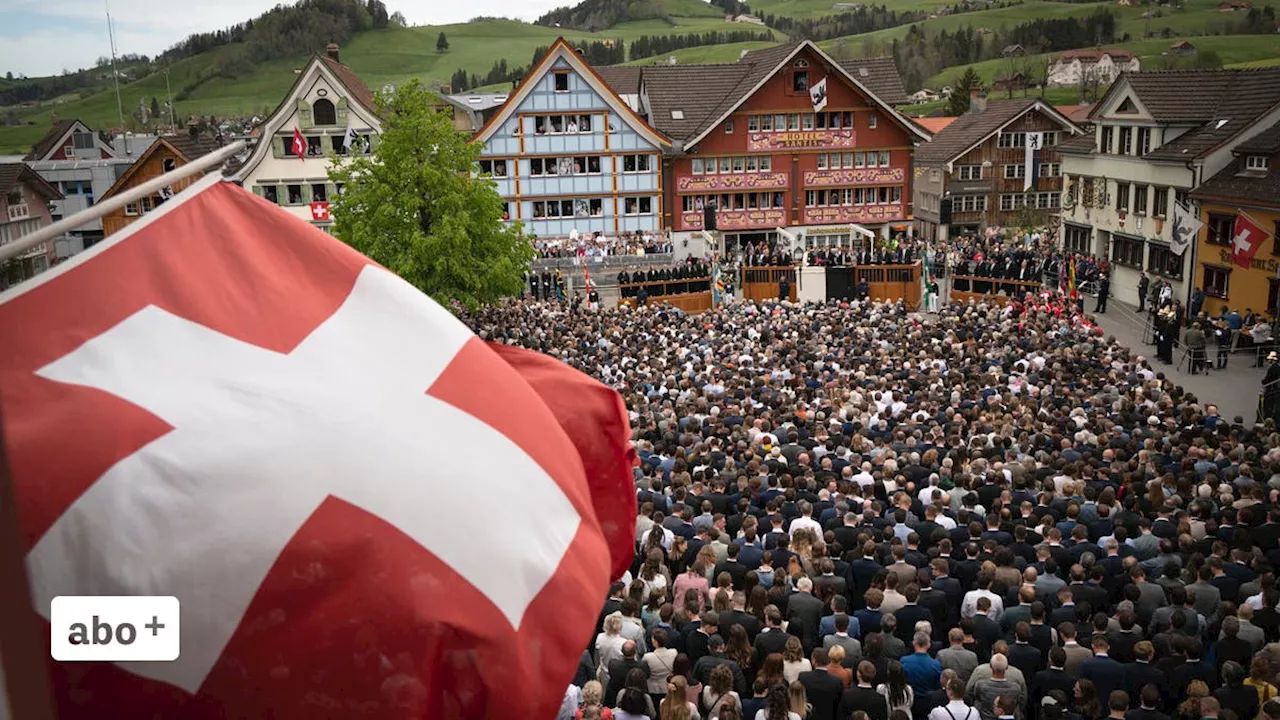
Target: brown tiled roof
192 148
46 143
359 91
970 129
1264 143
881 78
934 125
622 79
1082 144
672 88
1234 183
13 173
704 93
1241 97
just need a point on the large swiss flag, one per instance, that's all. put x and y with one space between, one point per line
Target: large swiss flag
365 511
1246 239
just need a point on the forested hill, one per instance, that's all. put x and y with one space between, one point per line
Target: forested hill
596 15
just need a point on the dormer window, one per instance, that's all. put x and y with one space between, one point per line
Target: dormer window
1256 163
324 113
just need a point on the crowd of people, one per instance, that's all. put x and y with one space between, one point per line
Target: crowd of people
849 512
693 275
598 245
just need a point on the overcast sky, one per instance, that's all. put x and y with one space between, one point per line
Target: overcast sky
42 37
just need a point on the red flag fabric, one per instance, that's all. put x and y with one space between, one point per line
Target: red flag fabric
595 418
364 510
1247 238
299 144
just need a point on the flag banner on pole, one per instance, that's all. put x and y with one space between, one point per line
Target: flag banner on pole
1186 226
1071 279
363 509
1248 236
349 138
299 144
1031 159
717 286
818 94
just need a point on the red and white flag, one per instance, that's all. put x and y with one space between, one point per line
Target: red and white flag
319 211
364 510
299 144
1248 236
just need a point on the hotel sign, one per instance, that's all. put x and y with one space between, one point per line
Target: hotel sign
859 214
738 219
740 182
865 176
803 139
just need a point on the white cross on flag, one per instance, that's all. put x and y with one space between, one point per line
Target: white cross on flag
364 509
1247 237
319 211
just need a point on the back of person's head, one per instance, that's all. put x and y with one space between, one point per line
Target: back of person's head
999 663
1057 657
1118 701
1006 705
1232 673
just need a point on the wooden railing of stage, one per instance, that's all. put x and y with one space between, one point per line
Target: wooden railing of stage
891 282
670 292
995 285
762 282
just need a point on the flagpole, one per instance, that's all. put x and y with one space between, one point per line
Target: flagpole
151 187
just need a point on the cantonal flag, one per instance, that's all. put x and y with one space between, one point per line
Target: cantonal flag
364 510
1246 238
299 144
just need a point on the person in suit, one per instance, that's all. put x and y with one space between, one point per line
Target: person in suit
804 613
863 696
957 657
1105 673
861 572
1141 672
772 638
1232 647
1076 653
1149 709
911 613
822 689
1022 654
739 616
619 668
935 602
985 630
838 584
1054 678
852 648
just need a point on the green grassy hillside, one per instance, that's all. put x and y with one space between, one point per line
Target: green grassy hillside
381 57
706 54
1244 50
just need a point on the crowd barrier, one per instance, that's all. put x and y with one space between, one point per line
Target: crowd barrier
1019 287
670 292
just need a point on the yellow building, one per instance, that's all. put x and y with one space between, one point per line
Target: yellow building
1248 186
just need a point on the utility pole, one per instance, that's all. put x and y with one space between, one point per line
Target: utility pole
111 34
169 94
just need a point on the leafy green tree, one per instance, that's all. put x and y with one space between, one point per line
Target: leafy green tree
155 108
442 43
958 103
416 206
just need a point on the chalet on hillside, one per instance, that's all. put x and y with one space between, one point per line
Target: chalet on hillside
1182 47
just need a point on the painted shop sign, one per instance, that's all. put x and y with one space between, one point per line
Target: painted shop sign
865 176
746 181
863 214
735 219
1270 265
801 139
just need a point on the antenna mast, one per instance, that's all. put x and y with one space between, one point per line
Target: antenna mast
111 34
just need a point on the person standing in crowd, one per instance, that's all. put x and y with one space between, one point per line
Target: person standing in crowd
1104 290
1144 285
1224 338
1196 343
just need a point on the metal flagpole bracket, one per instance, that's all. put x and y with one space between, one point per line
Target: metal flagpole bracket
151 187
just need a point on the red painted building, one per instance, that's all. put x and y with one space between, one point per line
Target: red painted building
751 138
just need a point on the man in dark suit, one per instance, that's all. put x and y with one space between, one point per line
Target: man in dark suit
861 572
911 613
821 687
1055 678
863 696
985 630
950 588
828 577
617 592
1105 673
804 613
1194 668
1150 707
618 669
739 616
772 638
1022 654
1066 610
695 641
736 570
935 602
1141 672
1232 646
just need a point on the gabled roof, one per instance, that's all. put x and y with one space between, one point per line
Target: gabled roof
622 79
1192 96
706 95
185 147
935 125
972 129
1242 97
352 82
13 173
880 76
1235 183
561 49
53 140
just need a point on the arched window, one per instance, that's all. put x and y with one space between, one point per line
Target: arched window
323 112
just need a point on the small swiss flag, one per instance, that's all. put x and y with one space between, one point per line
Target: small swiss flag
319 211
1247 237
299 144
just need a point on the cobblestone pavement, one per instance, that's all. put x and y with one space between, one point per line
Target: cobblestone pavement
1234 390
